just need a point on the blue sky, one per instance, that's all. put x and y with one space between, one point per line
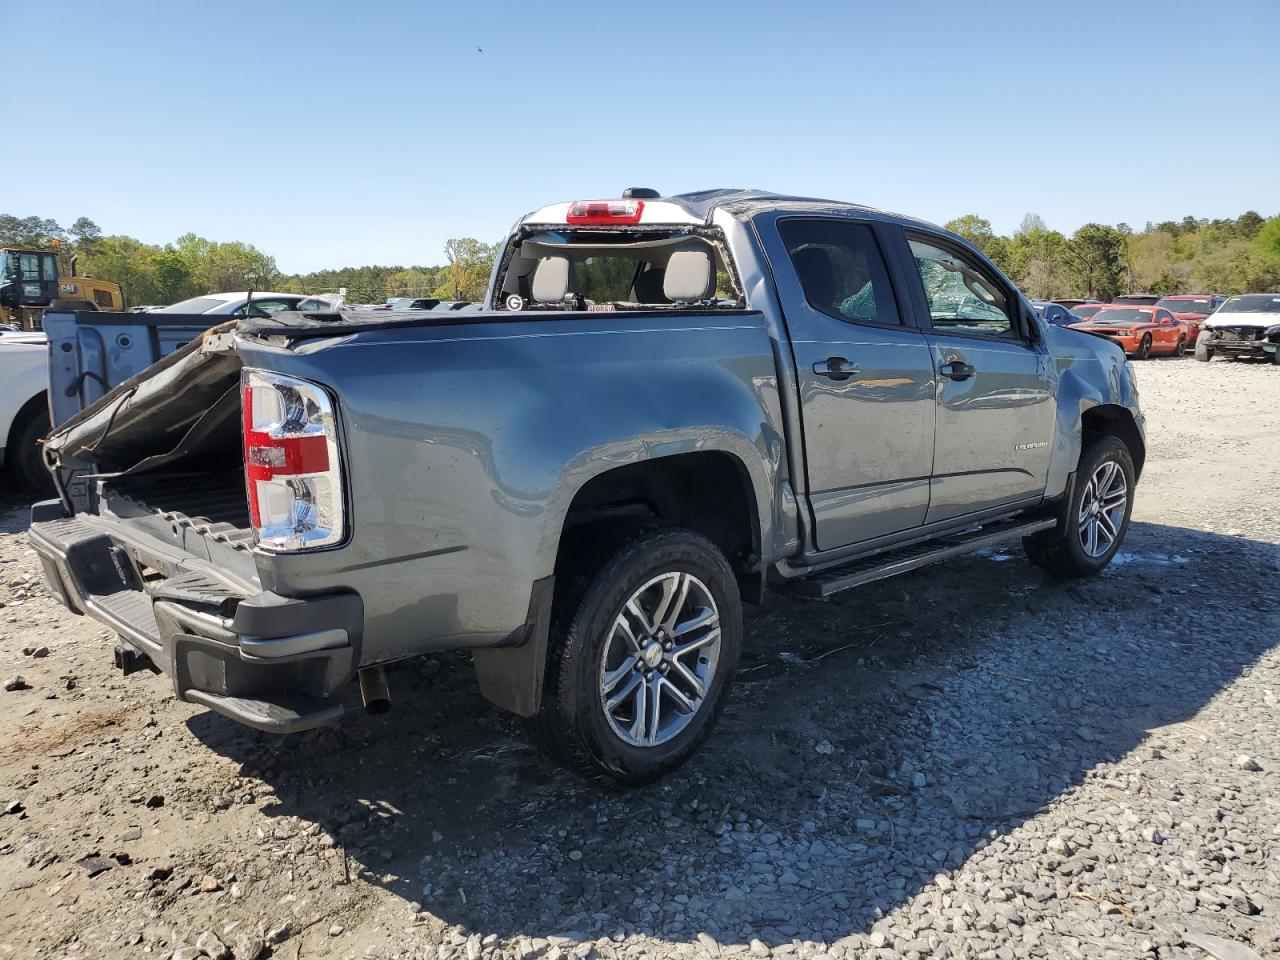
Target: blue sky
337 134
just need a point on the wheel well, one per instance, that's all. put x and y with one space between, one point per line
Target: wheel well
1109 420
708 492
38 403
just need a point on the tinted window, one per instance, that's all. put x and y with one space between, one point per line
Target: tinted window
841 269
1186 306
962 298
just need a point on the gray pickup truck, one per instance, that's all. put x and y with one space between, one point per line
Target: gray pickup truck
668 405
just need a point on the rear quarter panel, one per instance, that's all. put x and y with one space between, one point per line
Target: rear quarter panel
465 445
24 371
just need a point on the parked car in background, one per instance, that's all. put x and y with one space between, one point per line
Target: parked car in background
1140 331
1086 310
1137 299
24 408
1192 309
248 305
147 308
1247 325
1072 304
1054 313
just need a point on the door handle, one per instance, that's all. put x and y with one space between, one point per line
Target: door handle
957 370
836 368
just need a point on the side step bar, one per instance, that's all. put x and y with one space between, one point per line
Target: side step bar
885 565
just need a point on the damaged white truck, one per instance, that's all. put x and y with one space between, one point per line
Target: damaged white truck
669 405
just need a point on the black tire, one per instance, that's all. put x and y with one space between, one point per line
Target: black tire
572 723
1275 357
1204 352
1181 350
23 455
1144 348
1060 550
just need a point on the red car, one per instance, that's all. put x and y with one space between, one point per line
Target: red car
1193 309
1140 331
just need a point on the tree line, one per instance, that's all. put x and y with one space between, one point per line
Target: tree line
1175 256
1099 261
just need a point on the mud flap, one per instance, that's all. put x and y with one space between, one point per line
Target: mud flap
511 676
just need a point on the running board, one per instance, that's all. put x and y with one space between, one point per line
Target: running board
885 565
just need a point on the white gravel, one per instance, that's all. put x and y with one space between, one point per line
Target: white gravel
972 761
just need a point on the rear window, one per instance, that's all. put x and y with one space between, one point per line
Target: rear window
615 270
194 305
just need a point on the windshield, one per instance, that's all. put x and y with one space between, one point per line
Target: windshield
1252 303
194 305
1122 317
1178 305
1086 310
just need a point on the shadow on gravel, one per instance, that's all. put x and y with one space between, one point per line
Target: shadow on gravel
872 743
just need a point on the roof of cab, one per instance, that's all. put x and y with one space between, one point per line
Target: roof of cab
696 207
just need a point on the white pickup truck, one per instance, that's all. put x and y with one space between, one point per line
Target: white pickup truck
24 408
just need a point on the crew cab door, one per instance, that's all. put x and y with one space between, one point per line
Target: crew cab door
865 377
995 388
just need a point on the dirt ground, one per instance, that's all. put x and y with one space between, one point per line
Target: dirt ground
972 760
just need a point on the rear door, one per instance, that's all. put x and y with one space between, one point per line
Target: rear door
995 390
864 373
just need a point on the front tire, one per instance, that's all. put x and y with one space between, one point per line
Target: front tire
1181 350
1095 517
1204 352
1144 349
645 639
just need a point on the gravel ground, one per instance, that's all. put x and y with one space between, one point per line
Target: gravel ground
970 761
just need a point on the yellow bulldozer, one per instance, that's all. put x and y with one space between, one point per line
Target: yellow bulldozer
32 281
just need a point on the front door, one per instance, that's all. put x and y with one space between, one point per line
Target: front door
865 377
996 408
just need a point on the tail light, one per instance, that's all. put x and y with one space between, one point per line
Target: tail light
605 211
292 470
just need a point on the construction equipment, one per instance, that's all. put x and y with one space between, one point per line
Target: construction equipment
32 281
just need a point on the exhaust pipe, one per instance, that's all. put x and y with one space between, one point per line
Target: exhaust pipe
374 690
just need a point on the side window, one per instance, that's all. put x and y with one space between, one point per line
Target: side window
961 297
841 269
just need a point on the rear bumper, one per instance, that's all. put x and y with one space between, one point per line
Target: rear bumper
274 663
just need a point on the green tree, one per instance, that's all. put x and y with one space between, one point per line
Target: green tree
977 230
467 272
1096 260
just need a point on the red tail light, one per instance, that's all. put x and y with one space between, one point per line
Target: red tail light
292 473
605 211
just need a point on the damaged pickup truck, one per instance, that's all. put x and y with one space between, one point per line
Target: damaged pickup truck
669 405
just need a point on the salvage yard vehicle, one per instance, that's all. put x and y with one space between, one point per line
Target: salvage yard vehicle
1139 331
668 404
246 303
1192 309
24 408
32 281
1245 326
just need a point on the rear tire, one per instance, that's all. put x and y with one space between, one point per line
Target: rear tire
1086 538
24 454
620 638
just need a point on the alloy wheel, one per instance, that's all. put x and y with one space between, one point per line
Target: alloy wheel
1102 509
659 661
